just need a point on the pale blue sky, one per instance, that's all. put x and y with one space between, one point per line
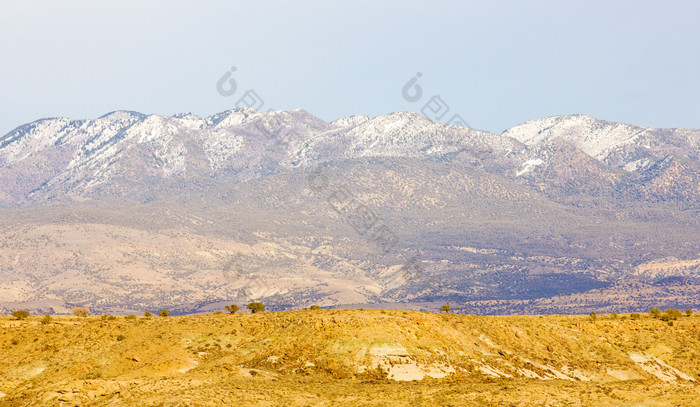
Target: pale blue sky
496 63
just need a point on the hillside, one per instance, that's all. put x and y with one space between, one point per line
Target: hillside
567 214
350 357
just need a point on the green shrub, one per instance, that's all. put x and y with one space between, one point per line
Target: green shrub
130 317
81 311
255 307
164 313
46 319
20 314
147 314
314 308
233 308
121 337
445 308
655 312
673 313
688 312
634 315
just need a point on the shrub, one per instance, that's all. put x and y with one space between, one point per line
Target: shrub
232 308
613 315
445 308
634 315
314 308
81 311
593 316
688 312
256 307
665 317
673 313
46 320
121 337
147 314
655 312
130 317
20 314
164 313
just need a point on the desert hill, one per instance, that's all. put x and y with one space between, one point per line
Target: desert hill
350 357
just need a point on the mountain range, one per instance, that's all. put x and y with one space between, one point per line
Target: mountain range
130 212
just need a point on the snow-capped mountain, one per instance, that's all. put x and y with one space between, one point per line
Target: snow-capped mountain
620 145
59 157
131 210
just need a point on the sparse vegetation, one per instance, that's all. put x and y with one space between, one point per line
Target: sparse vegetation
164 313
256 307
688 312
314 308
673 314
232 309
318 353
46 319
321 351
147 314
20 314
81 311
635 316
130 317
445 308
655 313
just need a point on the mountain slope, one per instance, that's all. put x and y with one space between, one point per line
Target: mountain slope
188 212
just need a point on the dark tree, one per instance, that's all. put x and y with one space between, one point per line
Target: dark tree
255 307
21 314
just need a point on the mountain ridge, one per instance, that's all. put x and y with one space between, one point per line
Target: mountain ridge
189 212
248 144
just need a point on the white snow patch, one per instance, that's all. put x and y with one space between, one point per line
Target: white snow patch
635 165
529 165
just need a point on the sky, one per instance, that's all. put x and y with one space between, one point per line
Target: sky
493 63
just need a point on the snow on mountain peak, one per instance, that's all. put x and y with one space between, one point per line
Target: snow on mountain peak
350 121
595 137
245 143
